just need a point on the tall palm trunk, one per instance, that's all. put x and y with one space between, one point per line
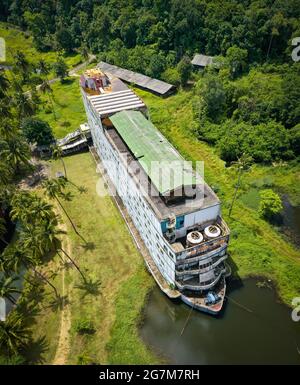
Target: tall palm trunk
51 99
64 166
46 280
235 192
270 45
4 241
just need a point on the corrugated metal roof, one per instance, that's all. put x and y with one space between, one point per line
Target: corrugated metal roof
202 60
143 81
107 104
161 162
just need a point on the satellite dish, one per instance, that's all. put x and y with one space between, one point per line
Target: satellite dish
2 309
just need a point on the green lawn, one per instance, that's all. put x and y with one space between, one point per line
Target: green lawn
16 39
68 107
111 260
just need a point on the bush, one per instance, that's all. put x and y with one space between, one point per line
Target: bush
84 326
171 76
264 142
270 204
184 68
37 131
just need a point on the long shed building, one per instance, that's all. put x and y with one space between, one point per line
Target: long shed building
156 86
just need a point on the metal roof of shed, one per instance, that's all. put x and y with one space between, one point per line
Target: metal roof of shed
202 60
161 162
110 103
155 85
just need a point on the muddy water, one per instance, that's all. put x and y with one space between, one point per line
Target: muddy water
266 335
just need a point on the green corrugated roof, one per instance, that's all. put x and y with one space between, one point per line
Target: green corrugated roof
148 145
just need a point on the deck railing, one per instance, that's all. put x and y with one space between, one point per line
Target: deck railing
180 273
200 286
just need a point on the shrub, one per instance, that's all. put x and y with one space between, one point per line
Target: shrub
270 204
37 131
84 326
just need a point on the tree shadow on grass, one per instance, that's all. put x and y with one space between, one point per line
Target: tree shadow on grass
67 81
29 306
59 303
35 350
89 286
89 246
80 189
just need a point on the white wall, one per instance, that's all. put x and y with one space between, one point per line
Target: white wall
140 212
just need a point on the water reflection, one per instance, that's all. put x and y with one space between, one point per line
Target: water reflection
266 336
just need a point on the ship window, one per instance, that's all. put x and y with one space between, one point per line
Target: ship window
179 222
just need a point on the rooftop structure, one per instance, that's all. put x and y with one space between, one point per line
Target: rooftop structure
107 104
121 136
154 85
93 81
202 61
148 145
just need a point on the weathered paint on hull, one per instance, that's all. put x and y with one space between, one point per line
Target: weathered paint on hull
214 310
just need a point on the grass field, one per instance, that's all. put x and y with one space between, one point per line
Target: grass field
111 261
68 107
17 40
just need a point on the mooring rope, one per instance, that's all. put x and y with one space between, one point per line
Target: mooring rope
240 305
187 320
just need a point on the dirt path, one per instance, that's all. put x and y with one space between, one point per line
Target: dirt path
63 346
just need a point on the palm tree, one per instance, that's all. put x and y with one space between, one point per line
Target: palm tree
19 152
5 172
4 84
5 111
26 253
13 334
29 208
24 104
20 203
8 128
84 52
54 190
57 154
3 230
45 88
242 164
22 65
43 67
7 289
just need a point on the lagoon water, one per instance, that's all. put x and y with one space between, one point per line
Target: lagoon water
267 335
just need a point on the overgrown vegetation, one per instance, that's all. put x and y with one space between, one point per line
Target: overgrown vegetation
153 35
254 114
